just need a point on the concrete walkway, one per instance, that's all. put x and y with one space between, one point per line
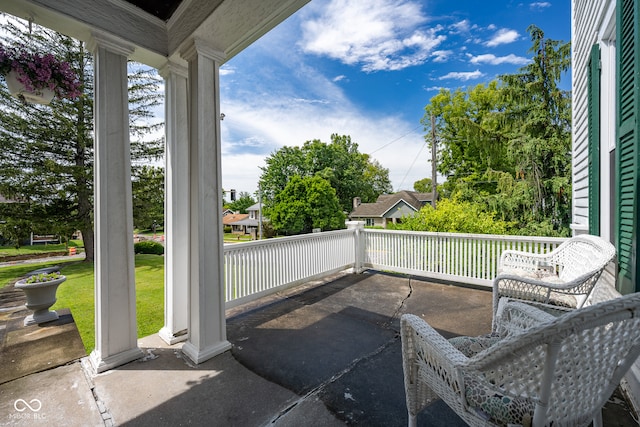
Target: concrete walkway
327 354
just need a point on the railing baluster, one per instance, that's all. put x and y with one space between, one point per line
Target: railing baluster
255 268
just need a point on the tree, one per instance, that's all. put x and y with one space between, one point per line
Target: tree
47 151
304 204
148 197
454 216
506 145
423 185
349 172
540 135
241 204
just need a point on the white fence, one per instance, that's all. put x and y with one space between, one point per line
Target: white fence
465 258
258 268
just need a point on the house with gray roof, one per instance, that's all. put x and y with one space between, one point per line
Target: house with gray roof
389 208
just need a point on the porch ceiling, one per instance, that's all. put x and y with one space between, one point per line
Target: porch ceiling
159 29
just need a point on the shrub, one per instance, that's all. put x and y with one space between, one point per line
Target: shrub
148 247
454 217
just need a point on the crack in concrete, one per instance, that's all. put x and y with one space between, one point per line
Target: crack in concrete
400 311
107 418
315 391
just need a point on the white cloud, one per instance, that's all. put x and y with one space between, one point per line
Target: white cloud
503 36
441 55
489 58
463 75
376 35
226 70
461 27
339 78
260 121
539 5
252 131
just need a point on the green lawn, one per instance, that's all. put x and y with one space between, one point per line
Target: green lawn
230 237
37 249
77 293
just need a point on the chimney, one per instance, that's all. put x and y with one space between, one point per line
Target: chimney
356 202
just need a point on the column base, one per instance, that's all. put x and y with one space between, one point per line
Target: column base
171 338
100 365
199 356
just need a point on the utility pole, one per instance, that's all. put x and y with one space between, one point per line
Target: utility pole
434 182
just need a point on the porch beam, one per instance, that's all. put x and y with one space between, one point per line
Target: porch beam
207 324
115 297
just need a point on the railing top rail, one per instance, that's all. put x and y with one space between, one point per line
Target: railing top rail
267 242
503 237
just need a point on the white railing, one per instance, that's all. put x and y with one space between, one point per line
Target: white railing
258 268
464 258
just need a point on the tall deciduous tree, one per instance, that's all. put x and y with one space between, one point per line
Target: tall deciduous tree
349 172
506 144
46 152
305 204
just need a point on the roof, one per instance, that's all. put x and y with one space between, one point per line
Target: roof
233 218
386 202
248 222
255 207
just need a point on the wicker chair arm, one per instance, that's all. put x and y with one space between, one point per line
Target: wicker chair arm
515 317
426 353
525 261
425 337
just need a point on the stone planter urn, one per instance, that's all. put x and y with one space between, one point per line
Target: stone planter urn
40 290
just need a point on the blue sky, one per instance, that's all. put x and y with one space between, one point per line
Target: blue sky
368 69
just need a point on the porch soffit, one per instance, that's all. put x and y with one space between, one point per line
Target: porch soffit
158 30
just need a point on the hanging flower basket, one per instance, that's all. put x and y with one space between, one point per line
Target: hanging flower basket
19 90
37 78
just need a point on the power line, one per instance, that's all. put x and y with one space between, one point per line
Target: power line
397 139
411 167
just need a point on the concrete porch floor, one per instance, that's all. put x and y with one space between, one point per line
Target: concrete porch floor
325 354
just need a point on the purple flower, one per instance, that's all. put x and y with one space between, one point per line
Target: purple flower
36 72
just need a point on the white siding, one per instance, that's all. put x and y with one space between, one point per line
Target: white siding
591 22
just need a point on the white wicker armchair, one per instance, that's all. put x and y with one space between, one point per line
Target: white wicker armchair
565 276
543 370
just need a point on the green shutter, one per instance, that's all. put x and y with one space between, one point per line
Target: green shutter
593 87
628 63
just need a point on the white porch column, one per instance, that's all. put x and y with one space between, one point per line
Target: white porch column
176 205
207 324
115 296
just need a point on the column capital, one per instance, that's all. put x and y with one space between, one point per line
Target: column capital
198 46
109 42
173 67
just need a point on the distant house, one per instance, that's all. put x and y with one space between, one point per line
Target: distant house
389 208
233 219
244 223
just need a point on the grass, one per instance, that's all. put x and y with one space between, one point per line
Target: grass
230 237
11 273
37 249
77 293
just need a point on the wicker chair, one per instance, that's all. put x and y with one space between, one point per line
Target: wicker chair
565 277
541 370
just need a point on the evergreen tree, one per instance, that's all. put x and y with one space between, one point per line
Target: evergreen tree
46 151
